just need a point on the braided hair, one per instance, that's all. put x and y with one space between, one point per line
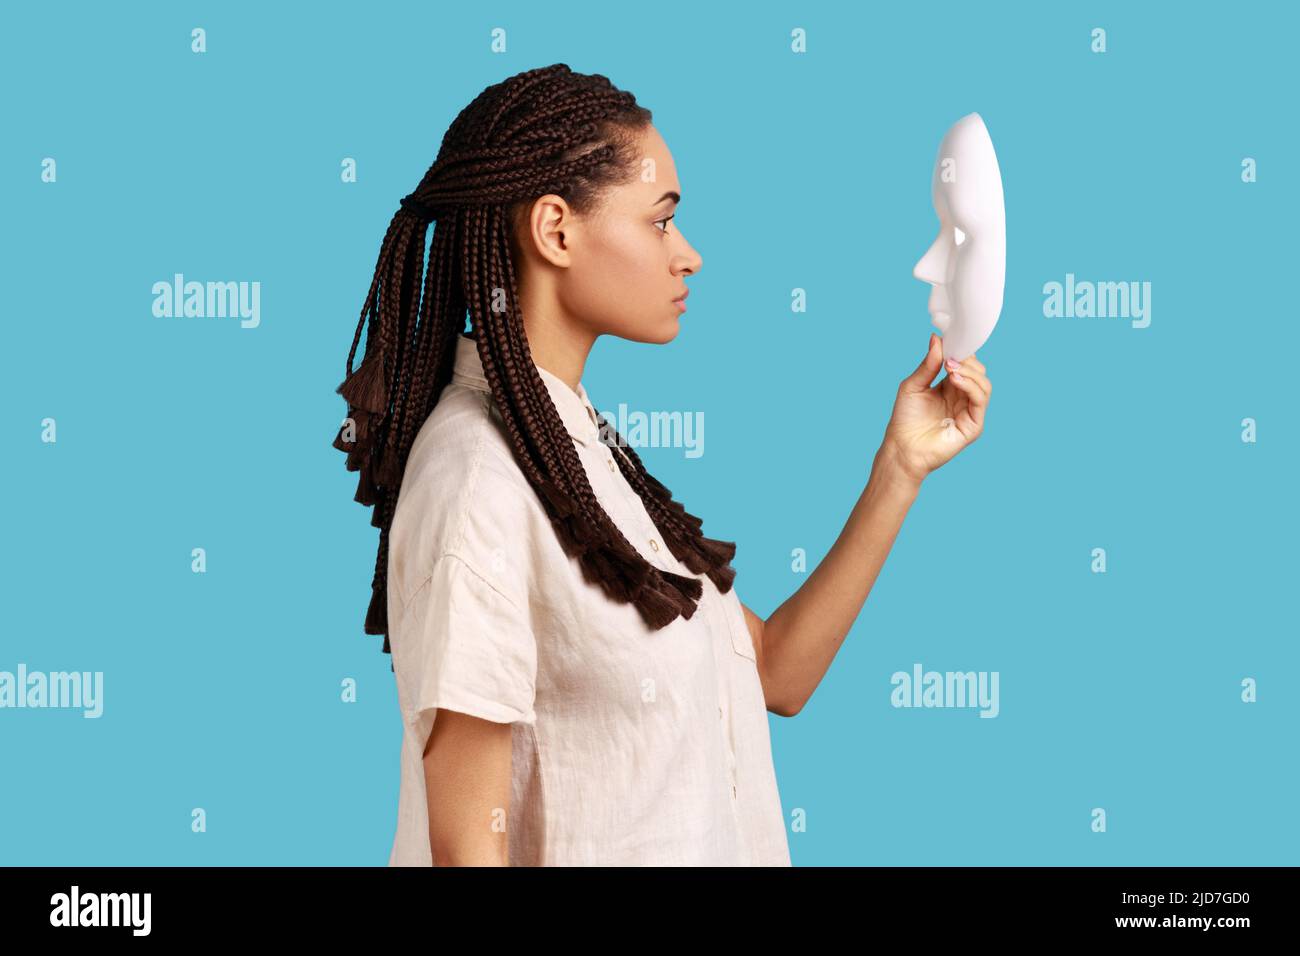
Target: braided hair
547 130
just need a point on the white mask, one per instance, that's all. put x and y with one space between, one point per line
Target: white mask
967 264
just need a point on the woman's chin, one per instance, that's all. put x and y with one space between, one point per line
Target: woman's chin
674 327
659 333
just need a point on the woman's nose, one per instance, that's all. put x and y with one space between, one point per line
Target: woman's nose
690 262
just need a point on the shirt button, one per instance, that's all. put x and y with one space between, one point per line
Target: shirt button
733 791
719 713
612 466
654 544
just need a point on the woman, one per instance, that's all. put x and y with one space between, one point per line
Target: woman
579 681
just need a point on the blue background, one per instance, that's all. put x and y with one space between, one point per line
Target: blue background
1118 690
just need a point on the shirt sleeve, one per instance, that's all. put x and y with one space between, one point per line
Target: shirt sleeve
464 645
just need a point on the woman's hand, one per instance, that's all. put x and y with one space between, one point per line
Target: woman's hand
930 425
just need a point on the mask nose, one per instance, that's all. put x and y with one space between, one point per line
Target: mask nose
928 268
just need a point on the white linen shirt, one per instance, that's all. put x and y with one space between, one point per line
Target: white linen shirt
630 746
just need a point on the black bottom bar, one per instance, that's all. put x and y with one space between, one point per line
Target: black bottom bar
333 905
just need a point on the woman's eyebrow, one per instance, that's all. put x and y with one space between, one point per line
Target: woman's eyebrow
675 197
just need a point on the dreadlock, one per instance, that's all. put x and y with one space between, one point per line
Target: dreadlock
547 130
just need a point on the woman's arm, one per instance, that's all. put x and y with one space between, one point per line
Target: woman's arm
798 641
467 779
929 425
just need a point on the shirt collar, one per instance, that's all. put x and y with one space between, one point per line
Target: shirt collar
575 408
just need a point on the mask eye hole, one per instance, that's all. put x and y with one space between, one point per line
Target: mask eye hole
958 236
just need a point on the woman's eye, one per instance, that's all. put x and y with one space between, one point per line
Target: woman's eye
958 236
665 222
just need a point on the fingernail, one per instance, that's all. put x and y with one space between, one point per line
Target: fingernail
953 363
956 377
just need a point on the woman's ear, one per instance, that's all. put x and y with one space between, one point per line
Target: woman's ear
546 228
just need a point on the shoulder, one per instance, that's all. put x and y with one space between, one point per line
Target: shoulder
463 493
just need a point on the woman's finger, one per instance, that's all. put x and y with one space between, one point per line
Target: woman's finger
976 400
986 387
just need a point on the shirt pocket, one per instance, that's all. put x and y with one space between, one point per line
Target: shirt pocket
741 642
